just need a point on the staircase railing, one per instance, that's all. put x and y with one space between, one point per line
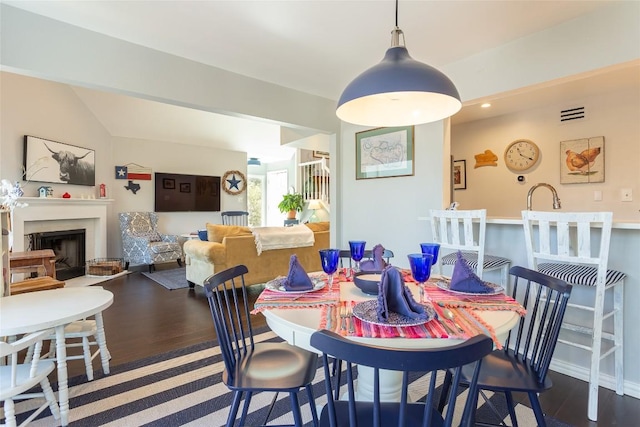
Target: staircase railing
314 179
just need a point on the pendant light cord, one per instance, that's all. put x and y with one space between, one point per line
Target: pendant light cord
397 32
396 13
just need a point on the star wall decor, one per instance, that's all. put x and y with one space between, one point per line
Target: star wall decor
234 182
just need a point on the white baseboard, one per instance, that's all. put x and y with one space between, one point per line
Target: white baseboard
582 373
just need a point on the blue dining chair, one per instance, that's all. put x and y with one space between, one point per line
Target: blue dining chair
255 367
235 218
376 413
523 363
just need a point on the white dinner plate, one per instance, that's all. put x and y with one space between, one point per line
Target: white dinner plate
277 284
366 311
445 285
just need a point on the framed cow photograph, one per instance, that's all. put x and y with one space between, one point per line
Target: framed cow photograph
58 163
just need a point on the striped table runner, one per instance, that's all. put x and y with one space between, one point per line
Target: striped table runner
471 324
269 299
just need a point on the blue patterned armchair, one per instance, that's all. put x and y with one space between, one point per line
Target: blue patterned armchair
143 244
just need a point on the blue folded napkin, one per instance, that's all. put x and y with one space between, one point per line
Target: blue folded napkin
394 296
297 279
377 263
464 279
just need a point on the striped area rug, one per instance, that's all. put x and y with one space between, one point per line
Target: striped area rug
184 388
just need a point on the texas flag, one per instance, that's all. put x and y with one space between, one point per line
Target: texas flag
133 172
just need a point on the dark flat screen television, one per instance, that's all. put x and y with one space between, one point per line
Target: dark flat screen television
187 193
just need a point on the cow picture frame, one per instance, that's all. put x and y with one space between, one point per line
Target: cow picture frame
55 162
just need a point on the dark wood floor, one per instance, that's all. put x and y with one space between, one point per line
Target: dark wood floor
147 319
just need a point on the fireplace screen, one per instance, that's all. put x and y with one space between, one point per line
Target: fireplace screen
69 248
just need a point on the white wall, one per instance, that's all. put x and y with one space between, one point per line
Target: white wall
53 111
386 210
36 107
612 115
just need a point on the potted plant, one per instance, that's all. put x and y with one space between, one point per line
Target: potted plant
291 203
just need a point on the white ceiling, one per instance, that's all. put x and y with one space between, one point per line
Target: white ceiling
305 45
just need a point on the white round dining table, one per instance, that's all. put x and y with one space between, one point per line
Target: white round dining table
297 325
56 308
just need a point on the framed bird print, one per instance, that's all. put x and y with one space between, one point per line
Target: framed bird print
582 160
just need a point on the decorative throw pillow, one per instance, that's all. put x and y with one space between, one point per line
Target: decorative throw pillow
217 232
318 226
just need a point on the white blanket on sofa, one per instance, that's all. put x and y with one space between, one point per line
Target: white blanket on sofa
269 238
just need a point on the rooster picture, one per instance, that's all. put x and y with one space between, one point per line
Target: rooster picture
582 162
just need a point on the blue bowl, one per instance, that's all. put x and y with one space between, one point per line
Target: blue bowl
367 281
202 234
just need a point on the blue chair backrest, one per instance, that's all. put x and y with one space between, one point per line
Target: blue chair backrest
407 361
231 315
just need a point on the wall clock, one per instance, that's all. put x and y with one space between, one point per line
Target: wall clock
234 182
521 155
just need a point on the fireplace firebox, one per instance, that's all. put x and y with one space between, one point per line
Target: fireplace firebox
69 248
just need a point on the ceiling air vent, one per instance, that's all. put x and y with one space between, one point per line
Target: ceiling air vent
569 115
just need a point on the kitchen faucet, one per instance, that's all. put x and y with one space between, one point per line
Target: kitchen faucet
556 199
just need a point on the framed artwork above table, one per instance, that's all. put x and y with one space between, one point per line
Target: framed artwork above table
385 152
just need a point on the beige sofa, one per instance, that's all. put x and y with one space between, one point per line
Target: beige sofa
233 245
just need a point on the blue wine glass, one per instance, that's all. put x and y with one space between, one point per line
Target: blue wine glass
420 270
357 251
431 249
329 259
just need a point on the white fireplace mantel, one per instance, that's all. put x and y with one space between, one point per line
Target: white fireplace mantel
40 210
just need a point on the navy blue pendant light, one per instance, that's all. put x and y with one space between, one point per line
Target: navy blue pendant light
399 91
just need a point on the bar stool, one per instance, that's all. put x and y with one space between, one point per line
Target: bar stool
454 230
564 240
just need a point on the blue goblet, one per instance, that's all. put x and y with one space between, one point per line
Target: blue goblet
420 270
357 251
329 260
431 249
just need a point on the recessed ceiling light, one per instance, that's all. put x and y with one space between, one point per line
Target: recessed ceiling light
485 105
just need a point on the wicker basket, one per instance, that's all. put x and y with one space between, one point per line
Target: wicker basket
104 266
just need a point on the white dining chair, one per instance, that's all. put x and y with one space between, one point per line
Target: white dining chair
17 379
464 231
84 333
565 245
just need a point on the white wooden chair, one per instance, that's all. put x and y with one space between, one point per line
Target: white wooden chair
572 253
16 379
84 333
464 231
